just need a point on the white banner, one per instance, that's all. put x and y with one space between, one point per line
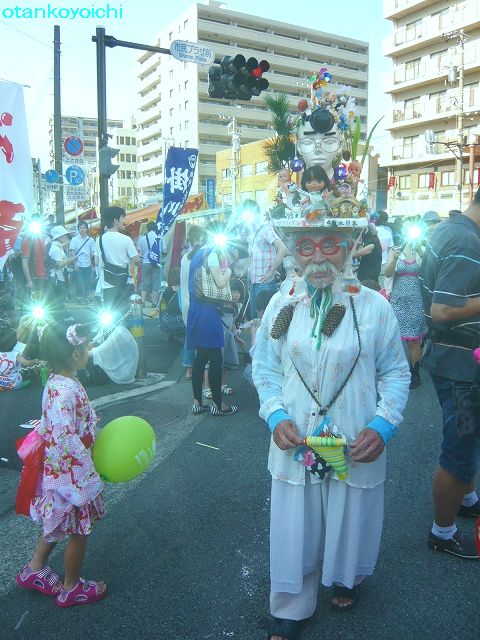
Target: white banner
16 179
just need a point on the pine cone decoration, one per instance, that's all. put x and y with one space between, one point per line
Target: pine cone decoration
282 321
333 319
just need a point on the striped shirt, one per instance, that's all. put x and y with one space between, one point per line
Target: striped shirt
450 275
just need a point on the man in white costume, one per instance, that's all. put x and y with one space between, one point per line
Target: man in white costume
335 365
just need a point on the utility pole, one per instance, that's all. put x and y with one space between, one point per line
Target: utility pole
234 132
460 37
57 125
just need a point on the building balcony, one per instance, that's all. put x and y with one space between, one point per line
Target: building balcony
430 111
153 147
400 8
314 45
431 29
416 154
151 164
431 71
152 183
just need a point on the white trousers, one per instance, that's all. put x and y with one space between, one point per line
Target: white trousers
328 530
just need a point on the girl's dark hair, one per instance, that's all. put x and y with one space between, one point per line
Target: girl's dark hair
317 173
55 347
8 337
237 285
174 277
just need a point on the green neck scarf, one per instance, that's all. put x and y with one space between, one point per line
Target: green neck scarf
319 307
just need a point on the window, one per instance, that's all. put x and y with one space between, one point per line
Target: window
413 30
226 173
439 18
246 170
121 157
128 140
179 126
412 69
122 140
404 182
128 175
171 93
171 113
187 142
466 177
447 178
170 74
170 36
423 180
171 131
413 108
261 167
185 84
186 124
246 195
134 157
185 24
186 104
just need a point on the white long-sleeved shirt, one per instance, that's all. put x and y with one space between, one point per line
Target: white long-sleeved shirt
382 370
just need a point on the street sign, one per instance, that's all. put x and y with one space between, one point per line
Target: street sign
74 193
79 160
50 186
51 176
75 175
191 52
73 145
210 189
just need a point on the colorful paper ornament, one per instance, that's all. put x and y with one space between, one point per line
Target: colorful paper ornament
332 451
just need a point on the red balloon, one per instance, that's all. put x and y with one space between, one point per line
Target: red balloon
302 105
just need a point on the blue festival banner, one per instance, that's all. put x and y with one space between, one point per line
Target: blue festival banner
210 188
178 177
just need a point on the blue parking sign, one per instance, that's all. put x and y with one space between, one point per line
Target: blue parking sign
75 175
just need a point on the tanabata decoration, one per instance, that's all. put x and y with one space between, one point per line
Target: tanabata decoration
331 449
124 449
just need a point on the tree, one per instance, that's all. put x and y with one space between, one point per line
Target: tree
124 203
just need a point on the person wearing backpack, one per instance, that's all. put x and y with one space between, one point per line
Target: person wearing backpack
150 268
113 254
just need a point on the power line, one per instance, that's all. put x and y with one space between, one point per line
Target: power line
45 44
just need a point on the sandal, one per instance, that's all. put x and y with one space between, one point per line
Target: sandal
207 393
199 408
84 592
226 390
344 592
44 580
288 629
228 412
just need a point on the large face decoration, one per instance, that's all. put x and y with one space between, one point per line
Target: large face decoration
318 147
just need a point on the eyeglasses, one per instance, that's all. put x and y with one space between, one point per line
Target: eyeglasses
329 246
329 144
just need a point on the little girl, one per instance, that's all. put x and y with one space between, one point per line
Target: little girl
68 496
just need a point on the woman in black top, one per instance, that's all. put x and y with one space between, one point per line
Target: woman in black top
370 254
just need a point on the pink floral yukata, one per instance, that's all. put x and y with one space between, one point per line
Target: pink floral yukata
69 496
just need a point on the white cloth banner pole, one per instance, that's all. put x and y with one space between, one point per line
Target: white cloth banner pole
16 175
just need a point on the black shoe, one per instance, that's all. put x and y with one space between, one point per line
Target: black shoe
470 512
459 546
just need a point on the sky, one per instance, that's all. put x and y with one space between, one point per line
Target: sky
27 51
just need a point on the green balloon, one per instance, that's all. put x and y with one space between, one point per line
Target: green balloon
124 449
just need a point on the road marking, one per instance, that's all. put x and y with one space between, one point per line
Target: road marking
20 621
207 445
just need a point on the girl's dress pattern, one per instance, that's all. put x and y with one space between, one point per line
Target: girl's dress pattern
406 300
68 498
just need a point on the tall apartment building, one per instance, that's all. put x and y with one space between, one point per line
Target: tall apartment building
84 128
434 43
174 104
123 183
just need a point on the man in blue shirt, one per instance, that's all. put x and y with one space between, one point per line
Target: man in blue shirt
451 296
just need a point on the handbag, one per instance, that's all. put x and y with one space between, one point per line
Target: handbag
206 289
112 273
467 404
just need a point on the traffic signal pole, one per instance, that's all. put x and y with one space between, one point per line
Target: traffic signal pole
57 125
102 114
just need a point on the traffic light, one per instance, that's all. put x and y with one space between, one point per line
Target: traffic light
105 156
237 78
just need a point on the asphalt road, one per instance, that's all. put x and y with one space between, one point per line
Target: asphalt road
184 548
